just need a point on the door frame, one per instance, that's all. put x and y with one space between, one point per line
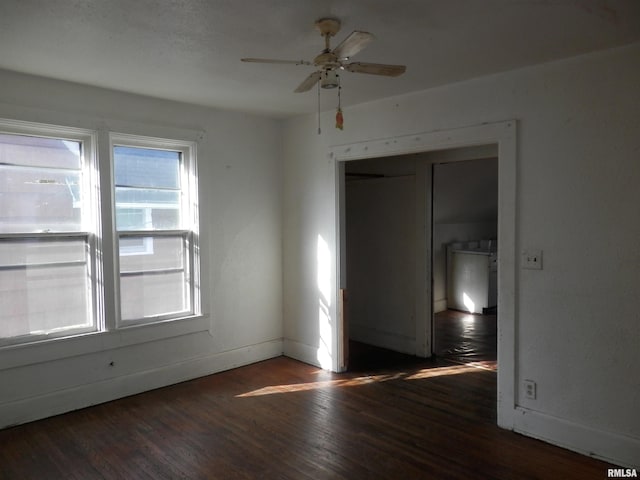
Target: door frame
504 135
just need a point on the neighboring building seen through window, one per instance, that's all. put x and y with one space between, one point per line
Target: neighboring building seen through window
155 240
46 225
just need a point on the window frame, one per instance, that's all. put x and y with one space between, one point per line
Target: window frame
188 228
106 332
90 224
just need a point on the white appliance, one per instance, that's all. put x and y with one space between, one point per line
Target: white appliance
472 273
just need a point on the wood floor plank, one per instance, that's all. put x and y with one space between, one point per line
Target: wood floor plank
281 419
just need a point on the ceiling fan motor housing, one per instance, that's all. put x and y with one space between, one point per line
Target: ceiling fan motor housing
326 60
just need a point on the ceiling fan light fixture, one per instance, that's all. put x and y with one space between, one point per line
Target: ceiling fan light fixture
329 79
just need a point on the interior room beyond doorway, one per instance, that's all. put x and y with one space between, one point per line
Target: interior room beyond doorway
382 200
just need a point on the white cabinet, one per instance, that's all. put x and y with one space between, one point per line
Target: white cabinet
471 280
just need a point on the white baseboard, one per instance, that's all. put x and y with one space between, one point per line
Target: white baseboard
378 338
614 448
301 352
55 403
439 305
611 447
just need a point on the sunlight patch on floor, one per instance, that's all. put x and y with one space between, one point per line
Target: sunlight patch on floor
444 371
368 379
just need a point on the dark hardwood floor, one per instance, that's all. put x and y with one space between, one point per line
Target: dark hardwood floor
465 337
281 419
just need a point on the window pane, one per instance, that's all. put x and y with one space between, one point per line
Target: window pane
167 252
147 209
145 167
45 286
132 218
37 151
39 199
153 277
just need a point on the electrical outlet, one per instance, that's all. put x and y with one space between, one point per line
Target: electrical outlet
530 389
532 259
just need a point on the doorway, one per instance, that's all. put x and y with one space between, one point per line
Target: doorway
465 255
386 207
383 246
502 135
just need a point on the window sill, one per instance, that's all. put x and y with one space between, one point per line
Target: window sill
20 355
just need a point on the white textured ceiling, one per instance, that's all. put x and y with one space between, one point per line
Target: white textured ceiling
189 50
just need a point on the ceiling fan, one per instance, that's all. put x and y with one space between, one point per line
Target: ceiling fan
330 61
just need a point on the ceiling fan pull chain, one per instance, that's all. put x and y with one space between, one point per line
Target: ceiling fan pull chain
319 129
339 117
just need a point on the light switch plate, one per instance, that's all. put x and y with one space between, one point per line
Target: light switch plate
532 259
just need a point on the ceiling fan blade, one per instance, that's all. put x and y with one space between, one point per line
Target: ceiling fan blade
376 69
351 45
271 60
309 82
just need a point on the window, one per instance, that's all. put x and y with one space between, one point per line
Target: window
48 222
60 204
156 228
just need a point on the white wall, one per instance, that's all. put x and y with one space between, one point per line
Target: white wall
576 320
239 160
381 257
